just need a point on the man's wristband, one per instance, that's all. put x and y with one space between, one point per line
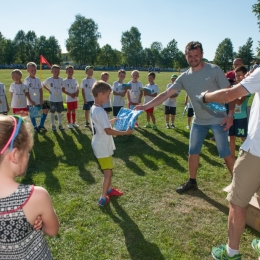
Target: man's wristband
204 98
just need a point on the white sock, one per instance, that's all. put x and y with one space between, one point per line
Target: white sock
259 245
231 252
52 118
59 118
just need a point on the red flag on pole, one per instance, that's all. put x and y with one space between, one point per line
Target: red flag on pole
44 61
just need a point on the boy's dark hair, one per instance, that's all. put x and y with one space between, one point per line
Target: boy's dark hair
55 66
121 71
100 86
152 74
69 67
242 69
193 46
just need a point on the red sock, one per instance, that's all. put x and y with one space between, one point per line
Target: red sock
73 117
68 117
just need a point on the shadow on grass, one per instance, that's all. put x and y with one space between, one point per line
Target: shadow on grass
138 248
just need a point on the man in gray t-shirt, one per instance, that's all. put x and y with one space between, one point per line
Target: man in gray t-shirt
198 78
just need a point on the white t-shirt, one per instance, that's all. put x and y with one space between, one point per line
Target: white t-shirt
118 101
71 86
55 86
170 102
19 97
135 91
3 105
102 144
34 86
252 142
154 89
87 85
108 104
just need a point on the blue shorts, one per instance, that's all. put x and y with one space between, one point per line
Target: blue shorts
239 128
198 134
88 105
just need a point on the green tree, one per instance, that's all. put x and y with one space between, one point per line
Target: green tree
20 47
9 55
169 54
180 61
31 46
132 47
224 54
256 10
245 52
157 46
53 51
82 43
108 56
147 57
2 48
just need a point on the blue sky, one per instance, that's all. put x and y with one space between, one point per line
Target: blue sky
208 21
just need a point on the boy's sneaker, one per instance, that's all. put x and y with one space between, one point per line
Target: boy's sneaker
154 127
61 127
36 129
148 125
187 186
75 125
114 192
42 128
69 126
187 127
87 124
102 202
172 126
254 244
53 128
220 253
167 126
136 125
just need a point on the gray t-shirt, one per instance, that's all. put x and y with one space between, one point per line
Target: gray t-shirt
210 78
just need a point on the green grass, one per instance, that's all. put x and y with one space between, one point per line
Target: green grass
150 221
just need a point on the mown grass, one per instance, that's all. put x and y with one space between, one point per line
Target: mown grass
150 221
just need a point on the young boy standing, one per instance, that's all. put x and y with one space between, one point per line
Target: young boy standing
35 98
102 140
170 105
54 86
4 107
86 86
134 95
118 92
107 106
148 97
190 111
70 87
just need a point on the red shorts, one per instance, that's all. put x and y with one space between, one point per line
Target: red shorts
72 105
20 111
150 110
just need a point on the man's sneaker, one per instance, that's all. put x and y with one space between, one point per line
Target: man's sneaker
75 125
87 124
136 125
69 126
102 202
148 125
220 253
36 129
53 128
61 127
167 126
42 128
254 244
154 127
187 127
172 126
114 192
187 186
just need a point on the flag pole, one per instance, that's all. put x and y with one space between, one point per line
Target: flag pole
41 71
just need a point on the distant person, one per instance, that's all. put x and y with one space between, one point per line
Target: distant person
70 87
22 204
230 75
102 140
54 86
86 86
4 107
107 106
190 113
170 105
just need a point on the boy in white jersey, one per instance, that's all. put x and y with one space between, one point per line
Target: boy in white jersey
170 105
34 86
19 92
70 87
148 97
190 111
102 140
134 95
54 86
107 106
118 92
86 86
4 107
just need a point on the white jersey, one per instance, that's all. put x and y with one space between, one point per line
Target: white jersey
34 86
87 85
3 105
135 91
102 143
19 97
108 104
170 102
154 89
118 101
55 86
71 86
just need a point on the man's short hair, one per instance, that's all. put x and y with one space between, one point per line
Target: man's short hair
152 74
55 66
193 46
242 69
100 86
31 64
17 72
121 71
69 67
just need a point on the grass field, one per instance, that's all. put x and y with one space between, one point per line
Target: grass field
150 221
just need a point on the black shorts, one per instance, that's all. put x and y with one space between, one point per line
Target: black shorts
108 109
46 104
169 110
190 112
88 105
116 110
56 107
239 128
